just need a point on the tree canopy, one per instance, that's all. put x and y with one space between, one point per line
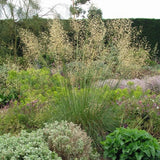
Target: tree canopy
76 9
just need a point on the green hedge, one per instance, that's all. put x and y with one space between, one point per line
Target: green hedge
150 30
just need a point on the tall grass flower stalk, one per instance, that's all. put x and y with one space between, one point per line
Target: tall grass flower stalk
131 52
31 48
59 45
124 54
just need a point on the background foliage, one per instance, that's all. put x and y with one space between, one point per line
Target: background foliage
150 29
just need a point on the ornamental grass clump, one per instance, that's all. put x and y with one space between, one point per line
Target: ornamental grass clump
131 144
59 45
53 47
69 141
31 47
85 43
88 38
128 53
89 51
91 108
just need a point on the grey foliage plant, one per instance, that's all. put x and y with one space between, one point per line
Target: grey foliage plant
27 146
69 141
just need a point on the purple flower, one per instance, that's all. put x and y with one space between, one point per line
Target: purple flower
125 125
35 101
148 105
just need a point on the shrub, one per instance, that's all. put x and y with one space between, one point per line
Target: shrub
119 95
34 85
131 144
39 91
69 141
6 94
26 146
29 117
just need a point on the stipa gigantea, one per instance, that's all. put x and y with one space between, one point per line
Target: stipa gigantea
131 53
31 50
59 45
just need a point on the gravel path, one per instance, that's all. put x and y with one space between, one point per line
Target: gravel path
147 82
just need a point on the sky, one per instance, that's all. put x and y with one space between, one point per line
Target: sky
110 8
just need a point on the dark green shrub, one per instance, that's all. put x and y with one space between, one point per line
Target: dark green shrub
69 141
131 144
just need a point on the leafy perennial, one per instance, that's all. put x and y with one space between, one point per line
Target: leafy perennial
131 144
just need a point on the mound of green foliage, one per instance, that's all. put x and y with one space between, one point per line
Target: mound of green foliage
31 96
34 84
29 85
131 144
